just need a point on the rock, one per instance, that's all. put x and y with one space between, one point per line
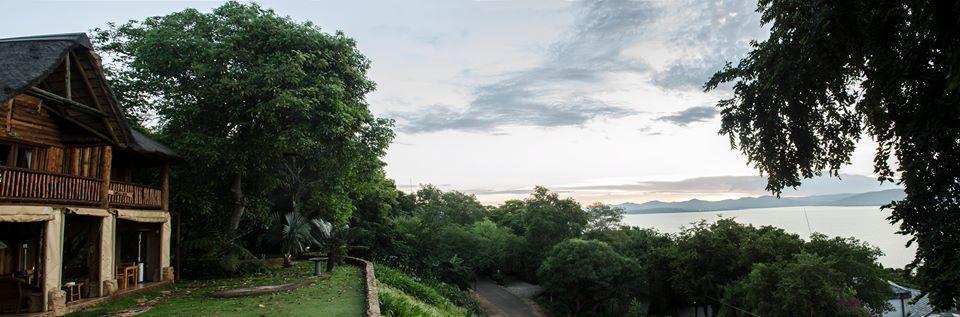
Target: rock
260 290
167 273
109 287
57 302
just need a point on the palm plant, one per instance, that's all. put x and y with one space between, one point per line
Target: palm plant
295 233
336 243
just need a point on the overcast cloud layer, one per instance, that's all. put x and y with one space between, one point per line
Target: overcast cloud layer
600 100
566 88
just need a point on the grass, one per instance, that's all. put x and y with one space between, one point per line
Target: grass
396 303
402 296
337 294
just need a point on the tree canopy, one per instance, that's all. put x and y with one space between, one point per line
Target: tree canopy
590 277
238 92
832 71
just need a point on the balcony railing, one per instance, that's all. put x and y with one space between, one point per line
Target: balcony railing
28 186
135 196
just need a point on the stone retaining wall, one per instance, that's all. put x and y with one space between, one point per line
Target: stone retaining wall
370 279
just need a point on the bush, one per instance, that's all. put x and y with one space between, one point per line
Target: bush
209 268
406 284
457 296
395 304
252 267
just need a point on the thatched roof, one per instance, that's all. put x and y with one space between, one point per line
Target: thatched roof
25 62
145 145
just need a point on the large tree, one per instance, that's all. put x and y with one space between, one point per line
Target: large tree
804 286
589 278
238 90
833 70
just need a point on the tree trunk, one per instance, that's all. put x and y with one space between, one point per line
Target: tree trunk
330 262
236 189
295 196
233 223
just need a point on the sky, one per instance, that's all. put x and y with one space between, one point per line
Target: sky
598 100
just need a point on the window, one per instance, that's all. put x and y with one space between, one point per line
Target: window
25 156
22 156
6 154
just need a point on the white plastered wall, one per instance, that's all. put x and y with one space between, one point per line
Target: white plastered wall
52 255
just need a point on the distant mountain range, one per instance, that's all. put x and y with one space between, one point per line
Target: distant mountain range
877 198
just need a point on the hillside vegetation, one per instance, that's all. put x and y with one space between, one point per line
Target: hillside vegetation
402 295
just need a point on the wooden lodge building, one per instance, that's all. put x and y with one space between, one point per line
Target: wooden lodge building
83 197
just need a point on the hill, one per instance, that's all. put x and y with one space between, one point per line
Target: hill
877 198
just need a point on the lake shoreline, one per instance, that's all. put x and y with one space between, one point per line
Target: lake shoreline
865 223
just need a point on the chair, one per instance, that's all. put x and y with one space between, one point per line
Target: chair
126 275
11 295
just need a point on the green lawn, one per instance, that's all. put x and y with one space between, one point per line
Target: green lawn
339 294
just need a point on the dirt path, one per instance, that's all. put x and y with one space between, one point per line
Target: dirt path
498 302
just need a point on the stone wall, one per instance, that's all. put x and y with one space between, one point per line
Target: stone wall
370 279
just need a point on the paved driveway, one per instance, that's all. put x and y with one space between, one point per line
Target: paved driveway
497 302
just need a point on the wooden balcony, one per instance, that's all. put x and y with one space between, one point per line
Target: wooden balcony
128 195
29 186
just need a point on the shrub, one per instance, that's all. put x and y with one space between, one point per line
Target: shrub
395 304
406 284
457 296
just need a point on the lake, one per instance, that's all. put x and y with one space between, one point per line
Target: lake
869 224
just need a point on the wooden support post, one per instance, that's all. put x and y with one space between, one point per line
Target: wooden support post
66 72
108 93
9 115
67 102
78 123
75 161
106 164
179 240
165 187
93 95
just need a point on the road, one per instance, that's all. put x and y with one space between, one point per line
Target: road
497 302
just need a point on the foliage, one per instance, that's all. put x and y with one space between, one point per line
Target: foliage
396 303
831 71
457 296
549 220
804 286
509 215
239 89
588 278
336 243
402 282
603 216
436 207
438 295
656 251
856 262
709 256
295 233
611 270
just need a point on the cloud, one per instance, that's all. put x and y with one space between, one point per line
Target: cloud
558 92
713 33
690 115
700 187
750 185
566 89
